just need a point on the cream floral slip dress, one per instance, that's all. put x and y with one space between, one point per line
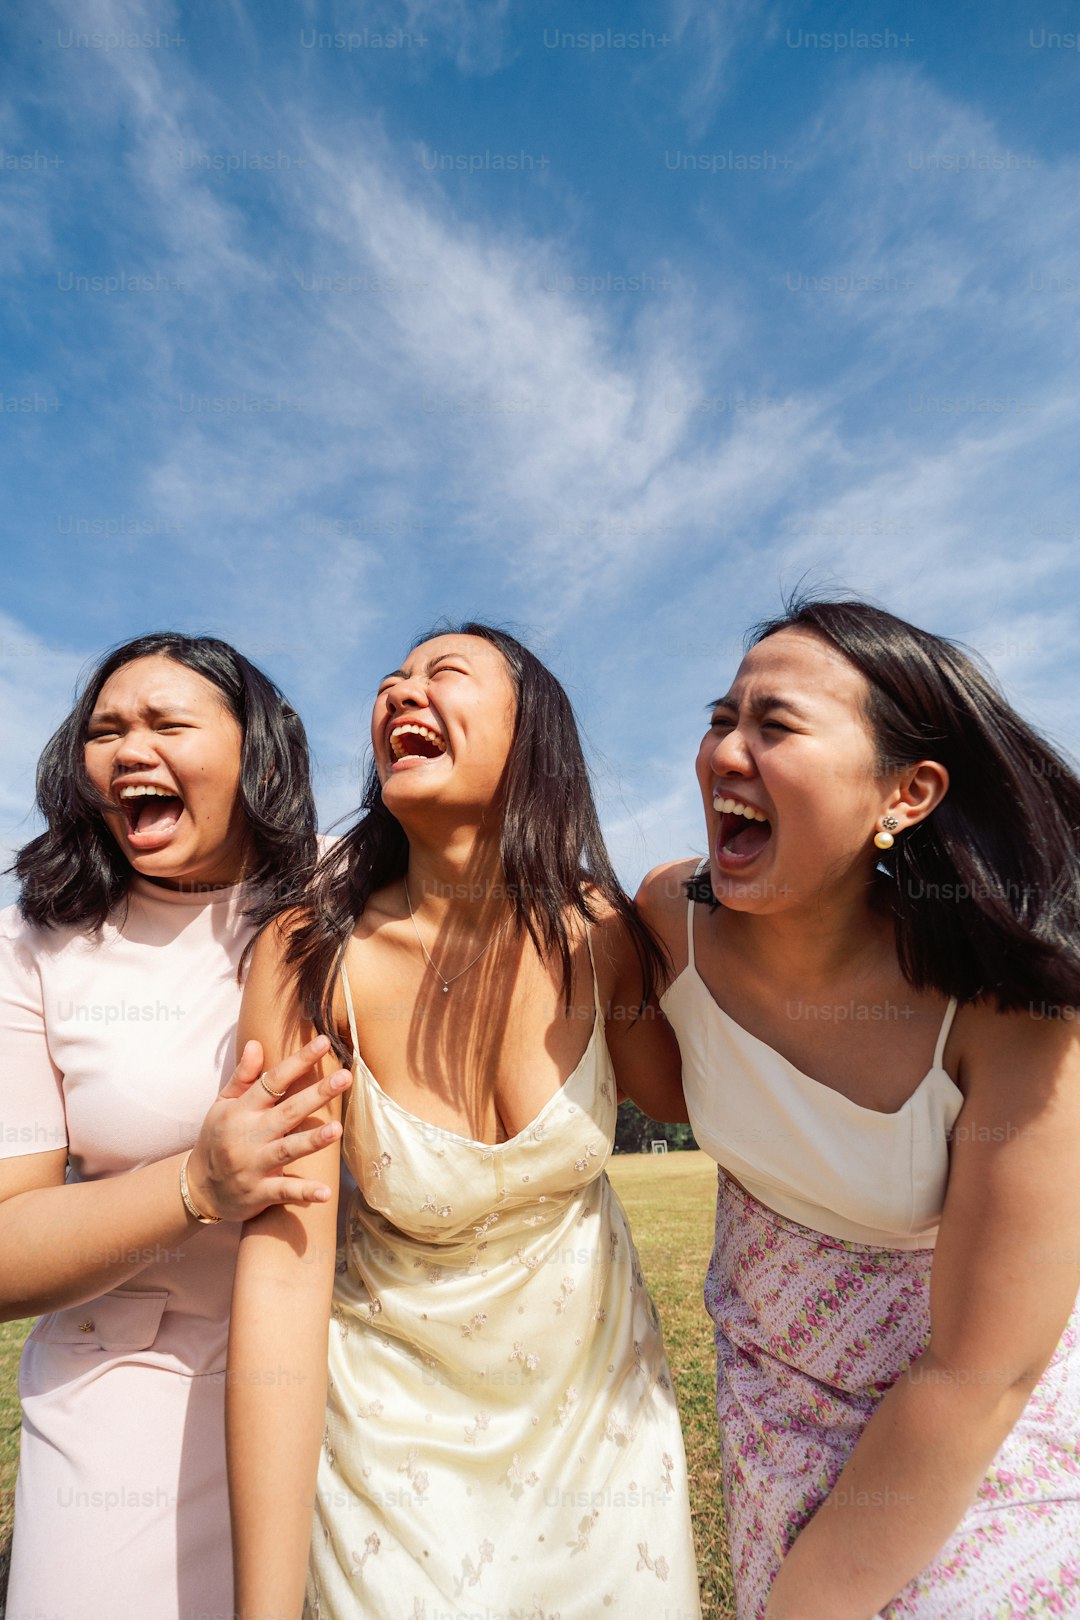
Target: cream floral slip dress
502 1440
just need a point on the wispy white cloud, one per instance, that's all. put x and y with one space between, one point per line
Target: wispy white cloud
534 412
547 420
709 36
377 395
950 215
474 33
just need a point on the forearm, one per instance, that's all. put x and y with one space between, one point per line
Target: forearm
276 1411
64 1245
914 1472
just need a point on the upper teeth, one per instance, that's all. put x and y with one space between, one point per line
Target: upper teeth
141 789
733 807
420 731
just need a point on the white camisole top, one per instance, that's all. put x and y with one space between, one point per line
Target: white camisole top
801 1148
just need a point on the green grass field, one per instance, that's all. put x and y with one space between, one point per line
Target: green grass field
12 1335
669 1200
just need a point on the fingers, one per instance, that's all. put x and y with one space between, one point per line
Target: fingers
290 1069
247 1070
301 1143
284 1188
311 1099
291 1190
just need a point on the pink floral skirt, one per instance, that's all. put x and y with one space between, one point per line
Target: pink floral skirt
810 1333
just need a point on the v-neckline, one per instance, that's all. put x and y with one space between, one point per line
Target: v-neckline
471 1141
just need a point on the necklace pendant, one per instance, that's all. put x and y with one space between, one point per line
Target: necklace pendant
446 989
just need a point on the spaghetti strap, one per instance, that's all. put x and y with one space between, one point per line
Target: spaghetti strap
595 980
943 1033
351 1013
690 904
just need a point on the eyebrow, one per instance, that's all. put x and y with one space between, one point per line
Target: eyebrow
180 710
111 717
767 700
429 666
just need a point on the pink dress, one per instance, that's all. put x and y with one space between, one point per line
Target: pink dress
116 1046
819 1289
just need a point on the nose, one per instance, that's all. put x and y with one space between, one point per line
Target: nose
731 755
405 694
136 747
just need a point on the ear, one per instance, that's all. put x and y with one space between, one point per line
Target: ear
919 791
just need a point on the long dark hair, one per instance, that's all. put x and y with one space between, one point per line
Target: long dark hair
74 875
986 890
551 846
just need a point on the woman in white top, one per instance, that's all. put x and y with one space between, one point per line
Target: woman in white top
874 986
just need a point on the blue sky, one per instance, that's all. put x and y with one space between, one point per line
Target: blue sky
608 325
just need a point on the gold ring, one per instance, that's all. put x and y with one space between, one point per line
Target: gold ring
270 1092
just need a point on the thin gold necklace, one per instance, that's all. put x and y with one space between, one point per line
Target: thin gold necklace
447 982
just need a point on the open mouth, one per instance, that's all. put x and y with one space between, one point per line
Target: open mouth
744 830
151 812
413 741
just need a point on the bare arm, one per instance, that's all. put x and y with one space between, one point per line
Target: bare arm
276 1388
1004 1282
644 1051
64 1243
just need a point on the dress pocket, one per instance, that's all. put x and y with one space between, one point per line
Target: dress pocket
124 1320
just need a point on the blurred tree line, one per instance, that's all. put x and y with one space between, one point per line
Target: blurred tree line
634 1131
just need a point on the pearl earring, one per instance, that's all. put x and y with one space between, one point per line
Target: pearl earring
885 840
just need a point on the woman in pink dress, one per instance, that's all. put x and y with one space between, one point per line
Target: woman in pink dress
876 975
178 810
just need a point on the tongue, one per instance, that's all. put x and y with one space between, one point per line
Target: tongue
157 815
749 839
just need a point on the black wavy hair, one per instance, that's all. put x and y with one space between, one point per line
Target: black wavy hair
551 847
74 875
985 891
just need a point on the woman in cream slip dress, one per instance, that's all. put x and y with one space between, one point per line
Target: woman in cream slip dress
830 1209
500 1438
500 1416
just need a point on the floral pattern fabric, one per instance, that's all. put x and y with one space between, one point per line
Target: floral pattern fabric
811 1331
502 1439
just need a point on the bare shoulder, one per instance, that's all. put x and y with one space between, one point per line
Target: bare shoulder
271 948
618 945
1027 1059
614 950
607 929
662 899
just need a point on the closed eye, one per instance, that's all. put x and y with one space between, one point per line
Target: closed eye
720 722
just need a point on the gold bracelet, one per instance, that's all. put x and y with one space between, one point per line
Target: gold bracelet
203 1220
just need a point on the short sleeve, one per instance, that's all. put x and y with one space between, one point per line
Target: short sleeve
32 1118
